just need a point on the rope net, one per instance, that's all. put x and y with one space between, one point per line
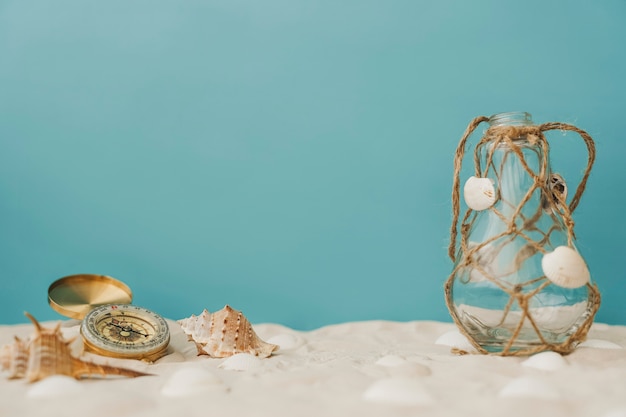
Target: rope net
524 224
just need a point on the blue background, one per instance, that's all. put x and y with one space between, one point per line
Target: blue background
290 158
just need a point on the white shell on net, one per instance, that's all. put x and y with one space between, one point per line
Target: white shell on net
479 193
565 267
225 333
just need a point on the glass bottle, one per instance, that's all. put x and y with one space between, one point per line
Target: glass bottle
498 292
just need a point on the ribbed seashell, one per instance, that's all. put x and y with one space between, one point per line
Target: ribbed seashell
565 267
225 333
479 193
47 353
14 358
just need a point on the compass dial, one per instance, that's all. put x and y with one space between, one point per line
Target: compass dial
125 331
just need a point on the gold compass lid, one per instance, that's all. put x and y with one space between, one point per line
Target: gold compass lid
76 295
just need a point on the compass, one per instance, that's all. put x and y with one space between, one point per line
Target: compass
125 331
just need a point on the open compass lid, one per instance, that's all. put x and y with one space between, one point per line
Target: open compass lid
76 295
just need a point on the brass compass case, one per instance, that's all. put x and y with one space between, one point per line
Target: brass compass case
125 331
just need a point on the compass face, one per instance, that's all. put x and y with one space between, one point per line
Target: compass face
125 331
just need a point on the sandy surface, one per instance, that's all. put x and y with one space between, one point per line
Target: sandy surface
374 368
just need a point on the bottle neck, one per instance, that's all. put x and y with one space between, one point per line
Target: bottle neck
516 118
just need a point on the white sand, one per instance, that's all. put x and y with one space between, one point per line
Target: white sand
374 368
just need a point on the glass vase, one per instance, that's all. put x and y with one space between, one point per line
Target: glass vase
519 285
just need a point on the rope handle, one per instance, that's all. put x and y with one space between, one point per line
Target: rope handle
460 153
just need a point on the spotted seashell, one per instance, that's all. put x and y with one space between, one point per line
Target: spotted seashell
565 267
479 193
47 353
225 333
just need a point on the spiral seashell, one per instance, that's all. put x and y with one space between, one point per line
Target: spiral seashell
224 333
565 267
479 193
47 353
559 189
557 193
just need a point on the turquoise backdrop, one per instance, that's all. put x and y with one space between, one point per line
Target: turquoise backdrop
290 158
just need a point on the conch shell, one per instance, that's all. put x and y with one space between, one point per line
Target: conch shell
224 333
47 353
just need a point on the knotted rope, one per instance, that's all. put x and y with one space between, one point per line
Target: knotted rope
514 138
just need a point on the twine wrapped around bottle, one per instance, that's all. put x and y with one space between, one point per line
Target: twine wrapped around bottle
518 226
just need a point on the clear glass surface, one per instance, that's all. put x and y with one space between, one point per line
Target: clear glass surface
506 269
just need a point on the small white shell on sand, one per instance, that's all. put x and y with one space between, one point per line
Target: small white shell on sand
455 339
599 344
391 360
187 382
55 386
620 412
545 361
241 362
526 387
286 341
398 391
399 366
479 193
565 267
